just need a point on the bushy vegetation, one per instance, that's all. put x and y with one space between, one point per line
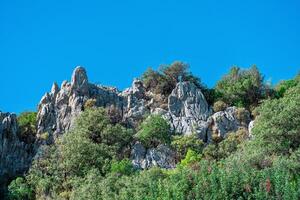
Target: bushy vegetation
284 86
19 189
154 131
123 167
92 160
93 146
219 150
242 88
181 144
165 79
27 126
277 128
219 106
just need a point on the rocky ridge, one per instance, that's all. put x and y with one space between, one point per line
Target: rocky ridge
187 112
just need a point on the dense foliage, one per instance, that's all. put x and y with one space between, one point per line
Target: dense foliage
277 128
92 160
243 88
284 86
19 189
182 144
165 79
27 126
154 131
93 146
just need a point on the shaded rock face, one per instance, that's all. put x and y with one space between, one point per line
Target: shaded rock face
15 155
161 156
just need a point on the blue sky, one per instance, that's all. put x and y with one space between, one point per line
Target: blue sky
42 41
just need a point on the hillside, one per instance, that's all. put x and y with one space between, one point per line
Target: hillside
168 136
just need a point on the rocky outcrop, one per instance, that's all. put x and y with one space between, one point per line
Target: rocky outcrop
58 109
136 102
15 155
229 120
187 110
161 156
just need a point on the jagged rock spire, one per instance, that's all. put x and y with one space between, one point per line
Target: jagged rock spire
79 81
54 89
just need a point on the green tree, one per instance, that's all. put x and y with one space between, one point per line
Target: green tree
89 187
94 142
154 131
243 88
165 79
151 78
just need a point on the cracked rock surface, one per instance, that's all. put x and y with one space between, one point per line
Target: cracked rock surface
15 155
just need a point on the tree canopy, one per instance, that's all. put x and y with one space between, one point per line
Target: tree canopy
154 131
243 88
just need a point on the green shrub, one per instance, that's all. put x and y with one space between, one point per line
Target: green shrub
19 190
154 131
151 79
27 118
123 167
284 86
219 106
88 187
191 157
27 126
182 143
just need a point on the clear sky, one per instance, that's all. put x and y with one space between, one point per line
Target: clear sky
42 41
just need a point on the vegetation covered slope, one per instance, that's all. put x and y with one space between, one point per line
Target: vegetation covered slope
92 160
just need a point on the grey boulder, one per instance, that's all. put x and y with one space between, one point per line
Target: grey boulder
161 156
